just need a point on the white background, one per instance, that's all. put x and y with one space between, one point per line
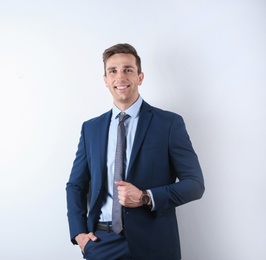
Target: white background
205 60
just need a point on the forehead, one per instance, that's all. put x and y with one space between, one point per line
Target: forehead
121 59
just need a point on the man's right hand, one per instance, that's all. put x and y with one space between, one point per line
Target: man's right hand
83 238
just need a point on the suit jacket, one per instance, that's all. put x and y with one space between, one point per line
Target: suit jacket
161 153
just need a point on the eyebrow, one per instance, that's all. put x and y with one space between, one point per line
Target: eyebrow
111 68
125 67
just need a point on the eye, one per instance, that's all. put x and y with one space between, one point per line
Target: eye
128 70
112 71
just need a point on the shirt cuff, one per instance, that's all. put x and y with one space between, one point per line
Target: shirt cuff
153 208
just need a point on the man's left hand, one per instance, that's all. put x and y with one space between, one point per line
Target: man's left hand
128 194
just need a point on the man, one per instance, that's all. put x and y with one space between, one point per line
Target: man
161 171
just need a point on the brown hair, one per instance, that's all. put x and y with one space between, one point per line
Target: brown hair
121 48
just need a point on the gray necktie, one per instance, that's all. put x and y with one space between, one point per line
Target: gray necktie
117 225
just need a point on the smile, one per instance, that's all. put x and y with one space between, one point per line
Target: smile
122 87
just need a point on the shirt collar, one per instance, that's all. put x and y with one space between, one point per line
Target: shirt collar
132 111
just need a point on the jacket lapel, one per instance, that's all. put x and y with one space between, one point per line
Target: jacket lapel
103 129
145 117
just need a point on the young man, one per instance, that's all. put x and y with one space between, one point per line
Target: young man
158 152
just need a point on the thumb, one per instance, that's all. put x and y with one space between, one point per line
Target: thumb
121 183
92 236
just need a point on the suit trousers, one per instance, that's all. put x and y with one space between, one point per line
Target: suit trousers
108 246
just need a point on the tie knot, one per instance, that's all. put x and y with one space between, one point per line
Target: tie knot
123 117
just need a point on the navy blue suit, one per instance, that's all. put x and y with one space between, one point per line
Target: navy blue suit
162 152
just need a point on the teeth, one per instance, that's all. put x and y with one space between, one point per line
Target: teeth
121 87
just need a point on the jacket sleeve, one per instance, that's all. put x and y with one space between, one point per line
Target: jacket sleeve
77 190
185 166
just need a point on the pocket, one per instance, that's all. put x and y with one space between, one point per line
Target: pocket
86 246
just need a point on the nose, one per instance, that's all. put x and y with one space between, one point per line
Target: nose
120 75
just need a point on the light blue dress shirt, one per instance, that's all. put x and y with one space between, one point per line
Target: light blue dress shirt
130 126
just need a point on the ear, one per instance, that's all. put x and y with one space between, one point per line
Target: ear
105 80
141 77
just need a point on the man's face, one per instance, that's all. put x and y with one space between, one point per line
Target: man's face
122 79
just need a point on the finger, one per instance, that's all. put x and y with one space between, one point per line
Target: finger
121 183
92 236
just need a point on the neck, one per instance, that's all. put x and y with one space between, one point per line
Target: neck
125 106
